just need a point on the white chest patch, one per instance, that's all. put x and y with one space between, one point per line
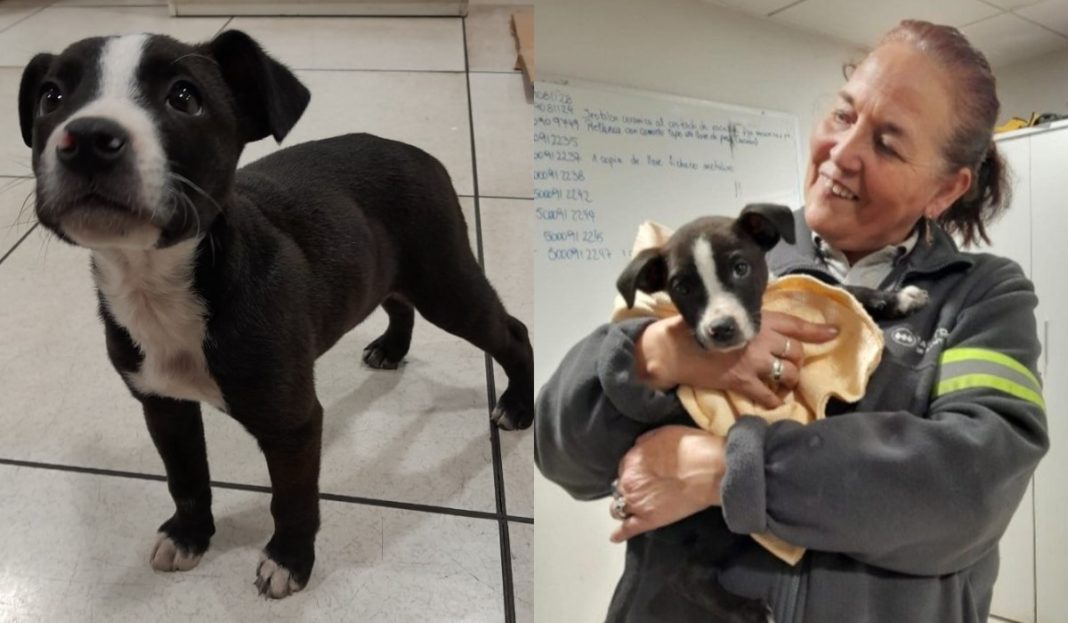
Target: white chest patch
149 293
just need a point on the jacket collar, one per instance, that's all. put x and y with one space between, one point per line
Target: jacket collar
932 254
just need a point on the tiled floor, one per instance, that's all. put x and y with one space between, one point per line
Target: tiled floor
426 511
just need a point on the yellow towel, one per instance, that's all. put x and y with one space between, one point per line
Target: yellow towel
838 368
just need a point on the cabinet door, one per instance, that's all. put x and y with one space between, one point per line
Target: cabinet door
1014 593
1049 208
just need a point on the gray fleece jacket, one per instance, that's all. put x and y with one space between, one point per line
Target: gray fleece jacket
900 499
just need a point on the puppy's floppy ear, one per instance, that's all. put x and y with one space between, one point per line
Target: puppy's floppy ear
646 272
28 93
268 96
766 223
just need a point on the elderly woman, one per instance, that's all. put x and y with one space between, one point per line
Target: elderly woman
899 499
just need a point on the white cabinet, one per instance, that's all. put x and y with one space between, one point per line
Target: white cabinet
1049 206
1014 595
1034 551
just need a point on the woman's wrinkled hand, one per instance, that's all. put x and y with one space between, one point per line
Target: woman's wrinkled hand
667 355
671 473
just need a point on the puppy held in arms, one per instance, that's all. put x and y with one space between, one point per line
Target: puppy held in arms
713 273
223 286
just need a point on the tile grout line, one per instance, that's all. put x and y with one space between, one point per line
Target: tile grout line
237 486
17 22
491 391
223 27
17 243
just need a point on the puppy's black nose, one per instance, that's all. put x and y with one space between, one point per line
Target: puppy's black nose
92 144
723 331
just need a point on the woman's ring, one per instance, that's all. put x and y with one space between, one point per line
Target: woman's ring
785 349
776 370
618 509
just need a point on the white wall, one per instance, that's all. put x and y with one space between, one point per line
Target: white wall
682 47
691 48
1038 85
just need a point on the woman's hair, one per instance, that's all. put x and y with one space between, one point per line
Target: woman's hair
970 143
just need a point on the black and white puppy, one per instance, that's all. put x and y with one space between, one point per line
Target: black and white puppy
223 286
714 270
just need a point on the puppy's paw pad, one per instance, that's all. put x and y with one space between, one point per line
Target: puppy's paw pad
275 581
169 556
911 298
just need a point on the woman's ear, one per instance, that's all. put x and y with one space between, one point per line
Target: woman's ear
954 187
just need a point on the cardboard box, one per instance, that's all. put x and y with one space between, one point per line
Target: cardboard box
523 28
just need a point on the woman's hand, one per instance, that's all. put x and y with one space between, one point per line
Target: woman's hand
671 473
667 355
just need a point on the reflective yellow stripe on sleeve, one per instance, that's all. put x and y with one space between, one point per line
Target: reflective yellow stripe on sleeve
969 368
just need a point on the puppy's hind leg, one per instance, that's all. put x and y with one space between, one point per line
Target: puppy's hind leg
464 303
178 432
387 350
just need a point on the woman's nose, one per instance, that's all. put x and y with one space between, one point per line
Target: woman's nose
848 150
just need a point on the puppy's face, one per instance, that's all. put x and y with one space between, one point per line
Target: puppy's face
714 270
136 138
716 280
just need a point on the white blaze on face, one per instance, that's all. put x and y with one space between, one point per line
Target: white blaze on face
722 303
117 99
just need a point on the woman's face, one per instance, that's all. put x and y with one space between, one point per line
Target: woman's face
876 165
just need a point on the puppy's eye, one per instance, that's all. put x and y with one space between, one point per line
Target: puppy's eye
682 287
184 98
51 98
741 269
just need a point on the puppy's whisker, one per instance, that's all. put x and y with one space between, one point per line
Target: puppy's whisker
188 208
188 182
22 210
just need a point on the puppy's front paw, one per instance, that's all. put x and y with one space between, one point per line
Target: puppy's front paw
181 543
274 580
170 556
910 298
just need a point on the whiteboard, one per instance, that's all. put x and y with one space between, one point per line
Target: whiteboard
607 158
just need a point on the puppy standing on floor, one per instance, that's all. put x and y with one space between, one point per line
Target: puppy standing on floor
224 286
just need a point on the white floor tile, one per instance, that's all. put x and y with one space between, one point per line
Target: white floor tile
521 537
508 246
16 211
13 12
110 3
76 548
428 110
360 43
503 134
419 434
491 46
53 29
35 4
14 154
